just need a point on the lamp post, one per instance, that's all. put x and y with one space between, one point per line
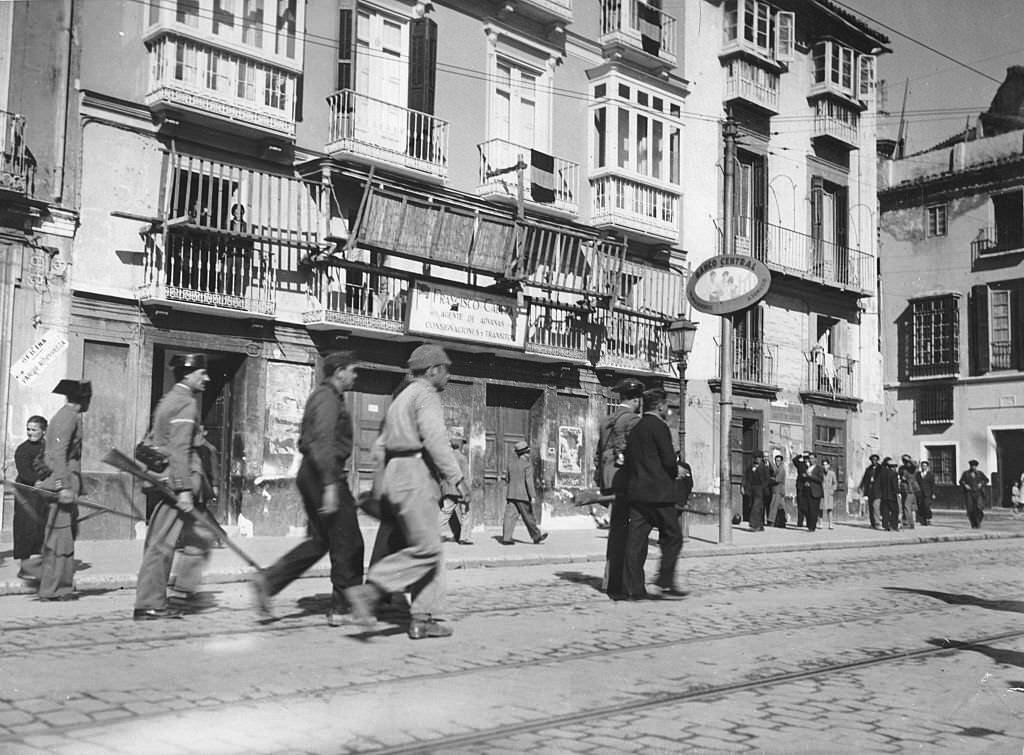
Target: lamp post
681 334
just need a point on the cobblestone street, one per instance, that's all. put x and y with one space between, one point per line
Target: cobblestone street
896 649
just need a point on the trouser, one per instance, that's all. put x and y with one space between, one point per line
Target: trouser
875 512
615 552
456 517
778 504
169 526
909 508
412 494
924 510
55 568
802 497
890 513
337 534
974 511
756 517
517 508
643 517
812 512
190 556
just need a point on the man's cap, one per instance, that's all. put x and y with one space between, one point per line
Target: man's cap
187 363
338 360
887 461
426 356
74 388
973 462
778 456
629 388
906 457
925 463
874 457
521 446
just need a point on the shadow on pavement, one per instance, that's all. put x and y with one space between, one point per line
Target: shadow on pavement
1002 657
579 578
962 599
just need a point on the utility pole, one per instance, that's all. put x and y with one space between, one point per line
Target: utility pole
729 132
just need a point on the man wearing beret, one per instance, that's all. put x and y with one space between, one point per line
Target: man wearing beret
610 461
417 458
63 457
177 433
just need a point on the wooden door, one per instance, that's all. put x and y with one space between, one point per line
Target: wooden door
507 419
368 404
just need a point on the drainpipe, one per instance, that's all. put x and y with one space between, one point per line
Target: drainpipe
61 132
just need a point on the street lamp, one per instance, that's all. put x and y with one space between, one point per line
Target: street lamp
681 334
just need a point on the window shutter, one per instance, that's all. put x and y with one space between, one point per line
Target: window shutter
1017 326
979 329
842 218
866 77
347 44
759 207
785 36
422 64
817 190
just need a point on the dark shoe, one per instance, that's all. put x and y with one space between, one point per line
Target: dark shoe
339 618
420 629
672 592
261 596
192 602
757 529
507 542
465 542
540 538
58 598
363 601
152 614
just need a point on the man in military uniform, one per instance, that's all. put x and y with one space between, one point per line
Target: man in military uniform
418 456
610 477
177 433
63 457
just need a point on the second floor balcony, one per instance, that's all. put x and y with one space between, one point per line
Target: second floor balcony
638 32
560 331
357 298
220 87
754 361
751 83
628 204
497 182
377 132
634 343
831 376
997 240
803 256
17 168
837 121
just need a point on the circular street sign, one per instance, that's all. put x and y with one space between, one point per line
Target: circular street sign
725 284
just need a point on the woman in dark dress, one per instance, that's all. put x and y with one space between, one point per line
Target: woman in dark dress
28 459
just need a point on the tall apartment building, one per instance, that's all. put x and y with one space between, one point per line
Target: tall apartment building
799 80
952 242
268 180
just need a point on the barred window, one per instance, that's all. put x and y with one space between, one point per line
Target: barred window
934 406
934 338
943 463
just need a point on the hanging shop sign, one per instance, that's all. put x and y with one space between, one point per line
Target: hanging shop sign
453 313
728 283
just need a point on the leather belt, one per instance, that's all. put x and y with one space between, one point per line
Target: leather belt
417 454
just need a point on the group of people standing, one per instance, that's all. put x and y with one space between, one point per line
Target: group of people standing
900 495
636 463
816 484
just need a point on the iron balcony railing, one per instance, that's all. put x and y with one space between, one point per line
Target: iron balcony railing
745 80
629 204
643 26
832 374
753 361
1001 355
560 331
500 154
360 297
997 240
380 131
634 342
17 168
804 256
222 83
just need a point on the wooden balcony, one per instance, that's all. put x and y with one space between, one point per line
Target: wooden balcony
354 297
635 343
380 133
836 121
638 32
500 154
752 83
552 257
17 168
220 87
628 204
799 255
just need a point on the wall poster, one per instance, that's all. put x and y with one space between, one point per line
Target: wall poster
288 387
570 450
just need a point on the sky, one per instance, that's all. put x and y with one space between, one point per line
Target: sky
984 34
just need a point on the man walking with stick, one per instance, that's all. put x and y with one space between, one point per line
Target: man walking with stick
177 433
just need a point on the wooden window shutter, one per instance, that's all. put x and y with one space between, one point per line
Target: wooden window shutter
347 17
422 64
817 219
842 216
1017 326
759 207
979 329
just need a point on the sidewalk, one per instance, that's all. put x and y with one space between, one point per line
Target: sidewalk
107 564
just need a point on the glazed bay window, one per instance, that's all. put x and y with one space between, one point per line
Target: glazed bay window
758 27
933 341
638 131
841 70
268 26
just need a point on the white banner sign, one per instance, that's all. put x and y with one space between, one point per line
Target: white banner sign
39 356
448 312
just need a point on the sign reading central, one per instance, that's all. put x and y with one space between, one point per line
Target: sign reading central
725 284
449 312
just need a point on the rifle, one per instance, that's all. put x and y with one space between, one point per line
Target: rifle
122 462
20 490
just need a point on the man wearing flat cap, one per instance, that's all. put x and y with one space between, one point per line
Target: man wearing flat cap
176 432
972 483
610 477
417 457
63 456
520 497
869 490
